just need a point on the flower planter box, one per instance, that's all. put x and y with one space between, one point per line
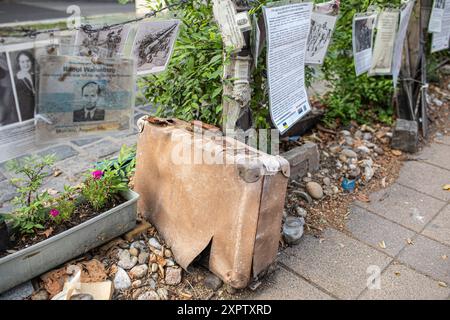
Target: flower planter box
48 254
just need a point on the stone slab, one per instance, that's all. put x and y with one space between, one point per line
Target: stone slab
404 206
61 152
303 159
426 256
372 229
436 154
339 264
439 228
399 282
425 178
285 285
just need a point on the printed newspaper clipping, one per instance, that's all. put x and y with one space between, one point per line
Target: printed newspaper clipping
79 97
287 30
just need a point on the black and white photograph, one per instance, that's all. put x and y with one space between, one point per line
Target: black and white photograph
322 26
91 99
363 34
18 80
104 44
23 66
153 45
8 111
91 111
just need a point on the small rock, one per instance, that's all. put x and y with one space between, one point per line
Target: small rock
368 173
335 189
349 153
213 282
367 136
358 134
363 149
345 133
134 252
378 150
163 293
339 164
167 253
124 245
121 280
154 267
389 134
335 148
140 245
307 179
153 242
355 173
326 181
143 257
173 276
438 102
293 229
82 296
40 295
137 284
170 263
149 295
126 261
349 141
301 212
139 271
314 189
151 283
370 145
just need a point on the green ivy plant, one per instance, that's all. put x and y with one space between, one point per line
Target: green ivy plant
191 88
32 209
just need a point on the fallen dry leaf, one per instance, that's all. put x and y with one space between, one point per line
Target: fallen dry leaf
396 153
51 191
383 182
57 173
446 187
382 244
409 241
442 284
444 257
363 198
47 232
397 273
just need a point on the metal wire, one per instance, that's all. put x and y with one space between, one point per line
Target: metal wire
87 28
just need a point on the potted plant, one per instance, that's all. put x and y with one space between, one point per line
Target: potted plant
50 229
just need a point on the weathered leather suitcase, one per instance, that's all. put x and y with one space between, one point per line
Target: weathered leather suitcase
235 206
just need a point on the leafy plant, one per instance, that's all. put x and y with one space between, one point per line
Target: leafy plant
32 211
63 206
191 87
123 166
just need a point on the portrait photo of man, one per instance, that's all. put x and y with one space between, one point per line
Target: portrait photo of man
90 94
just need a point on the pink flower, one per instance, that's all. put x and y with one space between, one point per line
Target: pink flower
97 174
54 212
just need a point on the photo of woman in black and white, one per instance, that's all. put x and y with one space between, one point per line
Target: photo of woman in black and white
24 80
8 111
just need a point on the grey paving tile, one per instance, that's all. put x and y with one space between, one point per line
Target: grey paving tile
439 228
7 191
339 264
404 206
101 150
56 183
427 256
399 282
6 207
61 152
284 285
75 167
425 178
83 142
437 154
372 229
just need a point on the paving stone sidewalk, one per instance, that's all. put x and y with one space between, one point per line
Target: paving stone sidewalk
342 264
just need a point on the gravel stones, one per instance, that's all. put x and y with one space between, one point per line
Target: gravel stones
121 280
314 189
126 261
213 282
139 271
173 276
